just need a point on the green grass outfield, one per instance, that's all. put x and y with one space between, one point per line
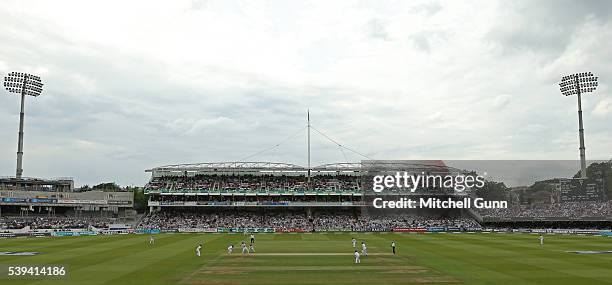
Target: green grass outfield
323 258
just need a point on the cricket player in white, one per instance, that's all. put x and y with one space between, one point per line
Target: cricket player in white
251 248
354 242
151 240
244 248
198 249
357 259
541 240
364 249
230 248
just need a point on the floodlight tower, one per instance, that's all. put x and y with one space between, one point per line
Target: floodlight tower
24 84
308 149
577 84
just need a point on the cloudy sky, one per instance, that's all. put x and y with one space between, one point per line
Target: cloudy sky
131 85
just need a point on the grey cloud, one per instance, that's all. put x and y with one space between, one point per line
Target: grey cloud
546 27
428 9
375 29
501 101
106 115
425 40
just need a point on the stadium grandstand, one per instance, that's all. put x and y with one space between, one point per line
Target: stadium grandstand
253 196
238 196
62 184
271 197
41 206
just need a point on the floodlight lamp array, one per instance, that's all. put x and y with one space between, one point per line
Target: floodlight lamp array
19 82
578 83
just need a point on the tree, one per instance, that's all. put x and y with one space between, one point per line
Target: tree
493 191
140 199
107 187
539 192
600 170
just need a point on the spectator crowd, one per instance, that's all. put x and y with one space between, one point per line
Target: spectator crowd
286 221
55 223
572 210
253 183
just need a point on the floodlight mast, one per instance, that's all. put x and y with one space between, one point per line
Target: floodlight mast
581 133
23 84
577 84
20 140
308 149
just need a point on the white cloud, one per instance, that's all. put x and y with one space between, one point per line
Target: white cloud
202 126
501 101
159 82
376 29
603 108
